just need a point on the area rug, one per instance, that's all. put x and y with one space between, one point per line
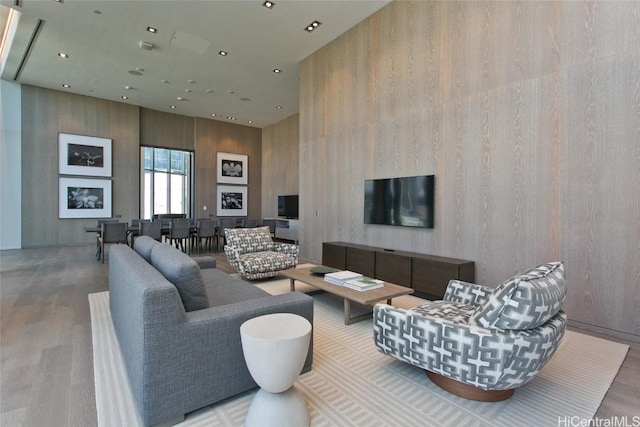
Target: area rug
351 384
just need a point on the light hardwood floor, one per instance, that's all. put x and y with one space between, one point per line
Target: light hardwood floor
46 372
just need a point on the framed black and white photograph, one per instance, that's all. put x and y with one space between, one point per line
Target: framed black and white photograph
84 198
233 168
84 155
232 200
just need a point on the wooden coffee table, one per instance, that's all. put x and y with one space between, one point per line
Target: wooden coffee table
370 297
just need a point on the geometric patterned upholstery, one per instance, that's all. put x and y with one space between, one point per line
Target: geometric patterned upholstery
525 301
441 336
246 240
253 254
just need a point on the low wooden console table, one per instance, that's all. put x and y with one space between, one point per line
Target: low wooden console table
370 297
427 275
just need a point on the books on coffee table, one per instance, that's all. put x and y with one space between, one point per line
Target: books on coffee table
363 284
339 277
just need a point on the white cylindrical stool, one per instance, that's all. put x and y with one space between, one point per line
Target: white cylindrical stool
275 347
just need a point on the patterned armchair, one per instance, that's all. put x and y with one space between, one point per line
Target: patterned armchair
254 255
480 343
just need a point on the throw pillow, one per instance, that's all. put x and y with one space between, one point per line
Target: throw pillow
525 301
181 270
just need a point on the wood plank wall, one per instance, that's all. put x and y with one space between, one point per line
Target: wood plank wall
47 112
213 136
280 174
528 113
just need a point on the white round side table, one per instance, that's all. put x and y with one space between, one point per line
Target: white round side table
275 348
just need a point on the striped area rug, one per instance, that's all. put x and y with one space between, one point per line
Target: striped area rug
351 384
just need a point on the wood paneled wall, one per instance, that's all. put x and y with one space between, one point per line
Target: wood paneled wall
528 114
280 175
45 113
166 130
213 136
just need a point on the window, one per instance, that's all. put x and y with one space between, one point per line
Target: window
166 182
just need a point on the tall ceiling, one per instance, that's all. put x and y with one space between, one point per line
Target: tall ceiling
184 69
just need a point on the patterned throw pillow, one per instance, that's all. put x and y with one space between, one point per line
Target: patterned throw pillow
247 240
526 300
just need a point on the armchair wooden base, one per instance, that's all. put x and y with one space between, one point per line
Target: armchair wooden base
468 391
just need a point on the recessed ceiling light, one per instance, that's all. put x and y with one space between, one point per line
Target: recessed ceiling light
250 121
173 106
231 118
223 53
129 87
209 90
59 1
188 90
277 70
230 92
66 85
63 55
124 97
313 26
279 107
97 12
268 4
164 81
213 114
181 98
191 82
152 30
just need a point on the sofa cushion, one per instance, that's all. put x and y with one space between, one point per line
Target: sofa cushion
525 301
454 312
247 240
143 246
181 270
257 262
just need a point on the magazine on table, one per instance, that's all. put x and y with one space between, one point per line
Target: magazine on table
363 284
339 277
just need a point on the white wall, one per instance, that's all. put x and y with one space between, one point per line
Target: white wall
10 165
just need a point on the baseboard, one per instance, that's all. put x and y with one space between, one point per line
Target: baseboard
608 333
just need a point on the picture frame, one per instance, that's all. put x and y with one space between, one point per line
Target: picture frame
84 155
232 168
232 200
84 198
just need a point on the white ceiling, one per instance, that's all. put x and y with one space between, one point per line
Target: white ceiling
102 40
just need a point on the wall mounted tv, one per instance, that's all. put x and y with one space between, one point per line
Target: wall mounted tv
288 206
405 201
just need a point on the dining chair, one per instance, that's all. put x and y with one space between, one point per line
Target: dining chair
151 229
180 233
99 223
249 223
134 228
205 229
112 232
224 223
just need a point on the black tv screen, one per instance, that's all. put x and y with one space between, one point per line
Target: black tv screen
405 201
288 206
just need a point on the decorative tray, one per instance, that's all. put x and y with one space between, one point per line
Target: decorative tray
321 270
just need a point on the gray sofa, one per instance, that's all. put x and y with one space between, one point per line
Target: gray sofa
178 326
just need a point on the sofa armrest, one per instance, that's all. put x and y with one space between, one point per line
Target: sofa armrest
467 293
287 248
233 256
205 262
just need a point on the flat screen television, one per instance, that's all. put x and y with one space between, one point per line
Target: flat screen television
288 206
405 201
